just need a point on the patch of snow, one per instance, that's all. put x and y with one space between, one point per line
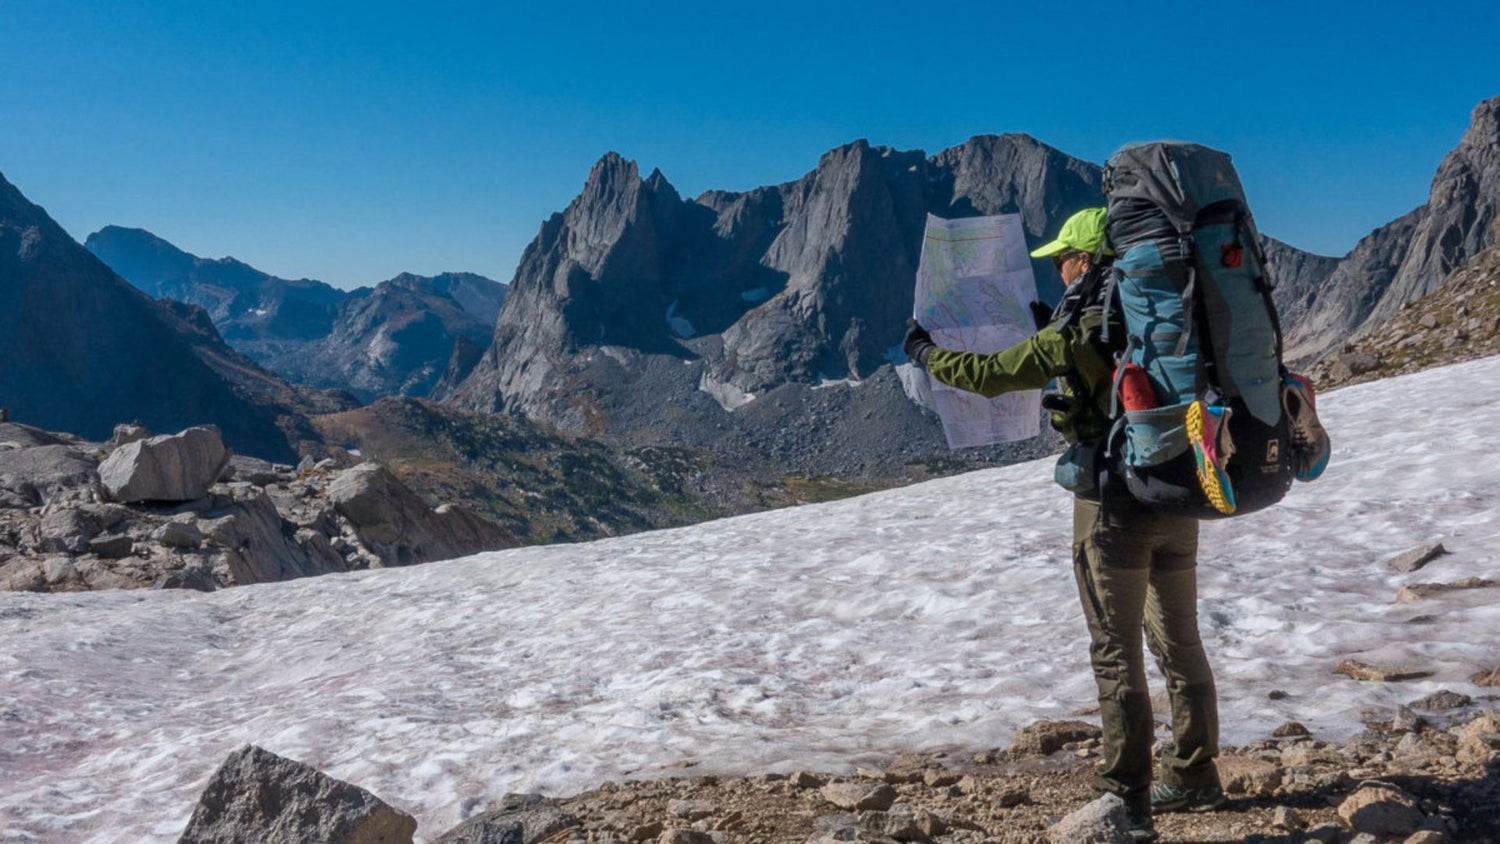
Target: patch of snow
826 382
679 325
941 616
729 397
917 384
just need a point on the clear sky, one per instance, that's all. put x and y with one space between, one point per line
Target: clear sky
353 141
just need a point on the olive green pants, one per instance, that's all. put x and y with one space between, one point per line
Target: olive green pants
1137 570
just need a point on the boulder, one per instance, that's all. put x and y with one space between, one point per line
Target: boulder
1248 775
259 796
902 823
1442 700
396 524
254 542
513 819
179 534
1100 822
1418 591
1378 674
1479 740
1412 559
859 797
198 578
1044 738
178 467
128 432
1381 810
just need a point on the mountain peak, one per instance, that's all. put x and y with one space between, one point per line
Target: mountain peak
1484 125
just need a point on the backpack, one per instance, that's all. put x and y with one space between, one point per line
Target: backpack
1201 429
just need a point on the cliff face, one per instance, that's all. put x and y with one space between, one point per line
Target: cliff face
1461 211
81 350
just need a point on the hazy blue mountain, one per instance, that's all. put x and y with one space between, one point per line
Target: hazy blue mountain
393 339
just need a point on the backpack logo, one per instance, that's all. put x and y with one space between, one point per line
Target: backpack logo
1273 451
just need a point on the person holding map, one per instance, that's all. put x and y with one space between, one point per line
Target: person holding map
1135 568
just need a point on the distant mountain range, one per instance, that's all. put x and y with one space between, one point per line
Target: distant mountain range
767 323
394 339
81 350
759 327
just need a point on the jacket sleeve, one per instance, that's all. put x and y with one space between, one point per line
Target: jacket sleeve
1028 365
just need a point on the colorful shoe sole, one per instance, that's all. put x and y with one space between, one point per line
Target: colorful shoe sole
1202 431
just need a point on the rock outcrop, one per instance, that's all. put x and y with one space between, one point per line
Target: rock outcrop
396 525
259 796
181 512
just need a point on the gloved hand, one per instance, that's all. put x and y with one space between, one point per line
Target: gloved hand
1041 314
918 343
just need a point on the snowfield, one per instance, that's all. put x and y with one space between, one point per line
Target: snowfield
938 616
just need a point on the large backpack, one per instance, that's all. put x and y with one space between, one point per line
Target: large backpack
1192 285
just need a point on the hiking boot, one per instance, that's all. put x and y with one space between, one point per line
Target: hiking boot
1208 432
1140 828
1310 445
1169 798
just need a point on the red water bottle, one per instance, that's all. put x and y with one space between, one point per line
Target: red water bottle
1136 392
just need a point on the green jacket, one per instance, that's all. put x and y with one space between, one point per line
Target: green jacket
1071 351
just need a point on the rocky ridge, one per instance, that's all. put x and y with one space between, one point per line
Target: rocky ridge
1429 776
182 511
1409 257
1457 322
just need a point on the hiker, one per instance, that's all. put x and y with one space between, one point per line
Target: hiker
1135 568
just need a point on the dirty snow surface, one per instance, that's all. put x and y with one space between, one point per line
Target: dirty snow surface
939 616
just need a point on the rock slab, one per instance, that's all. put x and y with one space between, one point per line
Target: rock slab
1100 822
1412 559
175 467
1381 810
259 796
513 819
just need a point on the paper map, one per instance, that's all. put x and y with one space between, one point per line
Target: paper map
974 285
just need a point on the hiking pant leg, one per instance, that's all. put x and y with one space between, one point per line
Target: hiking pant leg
1172 635
1111 564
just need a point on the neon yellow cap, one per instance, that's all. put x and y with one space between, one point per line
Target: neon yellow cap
1084 230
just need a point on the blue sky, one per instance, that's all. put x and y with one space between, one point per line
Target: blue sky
353 141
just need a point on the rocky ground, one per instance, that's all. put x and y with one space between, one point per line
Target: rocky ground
1430 775
181 511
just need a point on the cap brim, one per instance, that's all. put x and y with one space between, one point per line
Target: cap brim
1049 250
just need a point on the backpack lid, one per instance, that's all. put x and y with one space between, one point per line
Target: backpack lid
1181 179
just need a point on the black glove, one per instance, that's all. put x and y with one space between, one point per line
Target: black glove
1041 314
918 343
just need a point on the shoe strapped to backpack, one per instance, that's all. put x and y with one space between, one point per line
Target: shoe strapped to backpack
1310 444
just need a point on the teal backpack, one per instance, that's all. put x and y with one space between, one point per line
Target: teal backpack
1209 437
